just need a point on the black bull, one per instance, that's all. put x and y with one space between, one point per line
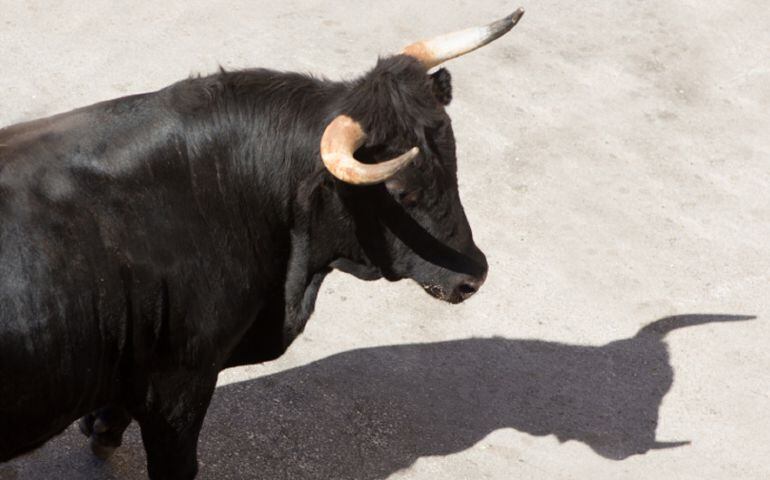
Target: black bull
148 242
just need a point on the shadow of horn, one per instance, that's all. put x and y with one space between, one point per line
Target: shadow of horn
665 325
664 445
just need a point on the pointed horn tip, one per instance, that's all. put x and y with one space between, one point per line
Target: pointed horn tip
516 16
656 445
406 158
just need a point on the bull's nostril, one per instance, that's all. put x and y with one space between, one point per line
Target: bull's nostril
467 289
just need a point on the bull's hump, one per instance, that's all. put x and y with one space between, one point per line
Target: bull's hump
28 133
110 137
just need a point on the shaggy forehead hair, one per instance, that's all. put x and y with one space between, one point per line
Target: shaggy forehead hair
395 100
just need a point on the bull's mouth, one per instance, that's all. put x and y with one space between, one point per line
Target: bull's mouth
437 291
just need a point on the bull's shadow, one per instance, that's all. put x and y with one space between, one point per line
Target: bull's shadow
367 413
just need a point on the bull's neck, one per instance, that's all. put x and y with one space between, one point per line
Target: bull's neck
266 149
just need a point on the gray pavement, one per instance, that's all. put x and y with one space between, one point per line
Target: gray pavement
614 162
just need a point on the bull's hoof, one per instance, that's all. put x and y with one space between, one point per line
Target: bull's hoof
105 429
86 424
100 450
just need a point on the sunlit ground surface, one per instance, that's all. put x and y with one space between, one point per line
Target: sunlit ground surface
613 161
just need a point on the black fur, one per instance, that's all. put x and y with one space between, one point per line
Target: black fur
150 241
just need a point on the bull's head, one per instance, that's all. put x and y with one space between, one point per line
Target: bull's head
406 210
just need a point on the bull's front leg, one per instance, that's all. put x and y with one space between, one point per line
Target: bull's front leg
105 428
170 422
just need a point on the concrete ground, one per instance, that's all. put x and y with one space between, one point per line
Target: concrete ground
614 161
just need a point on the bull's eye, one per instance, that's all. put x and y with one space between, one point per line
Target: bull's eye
409 199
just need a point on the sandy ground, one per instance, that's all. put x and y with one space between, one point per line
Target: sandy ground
614 163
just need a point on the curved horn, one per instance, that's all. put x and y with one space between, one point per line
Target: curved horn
445 47
341 139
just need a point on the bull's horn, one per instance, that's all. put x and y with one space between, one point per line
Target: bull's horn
341 139
446 47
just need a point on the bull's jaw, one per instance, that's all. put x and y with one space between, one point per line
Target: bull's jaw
361 272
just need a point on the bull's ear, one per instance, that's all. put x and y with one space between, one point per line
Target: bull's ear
442 86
